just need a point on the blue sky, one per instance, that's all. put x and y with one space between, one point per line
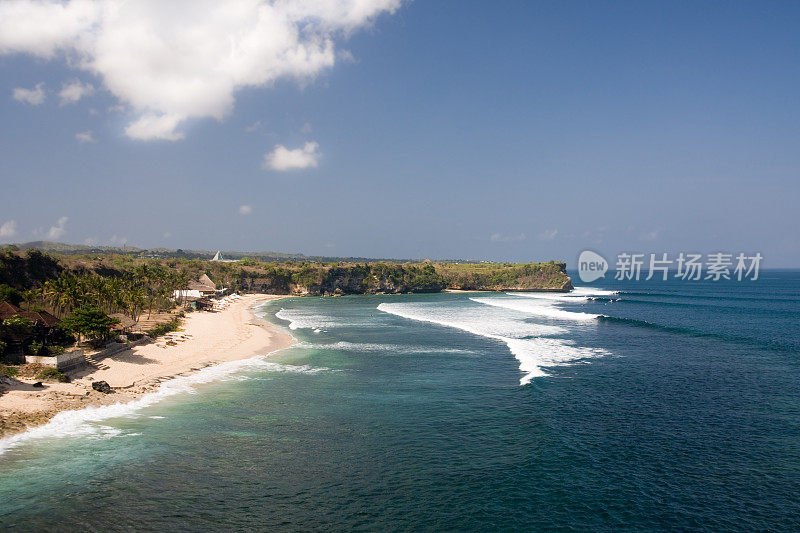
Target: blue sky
508 131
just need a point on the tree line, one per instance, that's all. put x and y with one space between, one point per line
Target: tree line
146 288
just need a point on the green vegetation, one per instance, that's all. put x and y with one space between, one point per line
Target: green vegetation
506 276
90 322
163 329
340 278
17 324
386 277
56 350
37 348
8 371
51 374
10 295
24 270
134 284
146 287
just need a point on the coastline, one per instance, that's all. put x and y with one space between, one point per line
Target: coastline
209 339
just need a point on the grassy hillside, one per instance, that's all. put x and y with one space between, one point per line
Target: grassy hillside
551 276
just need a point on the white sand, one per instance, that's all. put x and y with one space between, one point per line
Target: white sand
209 338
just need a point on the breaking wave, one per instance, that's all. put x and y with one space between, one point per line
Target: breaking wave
299 319
303 319
535 346
85 422
591 291
577 295
543 308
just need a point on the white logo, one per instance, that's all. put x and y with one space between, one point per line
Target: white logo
591 266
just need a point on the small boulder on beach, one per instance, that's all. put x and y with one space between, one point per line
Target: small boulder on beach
102 386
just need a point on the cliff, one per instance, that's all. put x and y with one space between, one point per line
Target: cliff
374 278
337 279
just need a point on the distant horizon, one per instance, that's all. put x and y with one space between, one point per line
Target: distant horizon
571 264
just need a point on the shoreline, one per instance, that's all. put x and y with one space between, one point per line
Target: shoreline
206 339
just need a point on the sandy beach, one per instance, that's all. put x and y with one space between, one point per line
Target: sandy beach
204 339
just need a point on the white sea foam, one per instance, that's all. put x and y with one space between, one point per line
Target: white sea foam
84 422
553 296
591 291
377 347
544 308
472 319
533 345
304 319
300 319
533 354
577 295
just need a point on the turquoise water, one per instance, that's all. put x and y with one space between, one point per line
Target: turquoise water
637 406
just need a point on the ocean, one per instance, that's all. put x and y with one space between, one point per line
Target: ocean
636 405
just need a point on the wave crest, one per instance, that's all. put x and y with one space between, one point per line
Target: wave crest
533 345
542 308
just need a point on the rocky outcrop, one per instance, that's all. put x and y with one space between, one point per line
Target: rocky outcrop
102 386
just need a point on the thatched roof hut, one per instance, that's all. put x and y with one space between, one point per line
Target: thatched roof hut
42 318
195 289
126 323
205 280
7 310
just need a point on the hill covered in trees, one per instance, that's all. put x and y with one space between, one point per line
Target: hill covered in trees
550 276
132 284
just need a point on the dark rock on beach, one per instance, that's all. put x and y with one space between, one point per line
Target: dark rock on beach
102 386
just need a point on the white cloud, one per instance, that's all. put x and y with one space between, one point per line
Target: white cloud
121 241
57 231
499 237
33 96
73 91
306 129
171 61
152 126
253 127
42 28
85 137
281 158
548 234
245 209
8 228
